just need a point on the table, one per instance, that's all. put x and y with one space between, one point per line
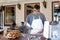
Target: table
20 38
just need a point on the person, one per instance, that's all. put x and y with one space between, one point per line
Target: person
13 26
36 20
23 28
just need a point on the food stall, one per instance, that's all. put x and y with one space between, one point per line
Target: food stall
17 35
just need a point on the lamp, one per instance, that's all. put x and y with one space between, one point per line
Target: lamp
19 6
44 3
2 8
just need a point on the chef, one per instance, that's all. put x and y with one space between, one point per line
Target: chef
36 20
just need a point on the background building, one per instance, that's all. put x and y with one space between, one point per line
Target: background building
19 14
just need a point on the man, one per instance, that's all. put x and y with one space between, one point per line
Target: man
36 20
13 26
23 28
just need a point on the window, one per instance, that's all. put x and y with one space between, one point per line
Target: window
1 19
56 10
9 15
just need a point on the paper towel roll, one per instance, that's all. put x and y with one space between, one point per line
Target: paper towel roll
46 29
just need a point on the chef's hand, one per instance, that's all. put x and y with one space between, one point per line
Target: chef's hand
25 23
41 31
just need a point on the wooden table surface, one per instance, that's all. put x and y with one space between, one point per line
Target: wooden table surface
2 38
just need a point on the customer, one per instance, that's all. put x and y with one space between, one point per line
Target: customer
23 28
13 26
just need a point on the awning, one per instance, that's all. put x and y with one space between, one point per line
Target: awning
9 3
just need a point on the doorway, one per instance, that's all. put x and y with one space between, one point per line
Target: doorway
28 8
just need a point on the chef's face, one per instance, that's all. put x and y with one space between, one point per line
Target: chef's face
36 11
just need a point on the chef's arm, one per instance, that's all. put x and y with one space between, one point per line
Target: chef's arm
27 19
27 25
